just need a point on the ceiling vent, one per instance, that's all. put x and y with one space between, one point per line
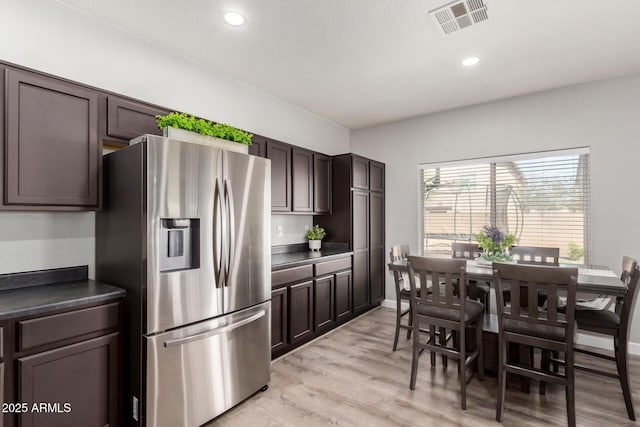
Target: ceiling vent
459 15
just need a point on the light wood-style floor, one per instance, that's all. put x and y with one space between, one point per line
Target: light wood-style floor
350 377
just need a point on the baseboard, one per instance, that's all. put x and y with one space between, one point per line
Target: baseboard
598 341
391 303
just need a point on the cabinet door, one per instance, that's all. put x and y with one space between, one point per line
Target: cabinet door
359 173
321 183
376 176
300 311
128 119
302 180
280 155
86 375
324 302
52 150
343 295
376 242
258 146
360 219
279 319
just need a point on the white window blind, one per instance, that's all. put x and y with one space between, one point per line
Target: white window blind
542 198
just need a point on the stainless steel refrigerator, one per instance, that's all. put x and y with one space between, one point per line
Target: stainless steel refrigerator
184 229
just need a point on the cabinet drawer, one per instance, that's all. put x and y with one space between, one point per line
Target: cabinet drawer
323 268
291 275
50 329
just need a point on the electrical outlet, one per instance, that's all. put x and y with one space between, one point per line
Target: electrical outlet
279 231
306 228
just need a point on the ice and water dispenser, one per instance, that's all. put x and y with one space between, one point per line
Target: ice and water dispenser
179 244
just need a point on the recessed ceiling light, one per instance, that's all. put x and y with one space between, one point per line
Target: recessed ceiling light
234 18
470 61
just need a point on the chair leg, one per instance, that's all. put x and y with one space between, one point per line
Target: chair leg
480 358
398 319
544 365
463 369
414 359
432 340
410 323
620 347
443 343
570 390
502 378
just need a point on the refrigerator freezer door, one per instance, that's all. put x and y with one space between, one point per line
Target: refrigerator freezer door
183 183
197 372
247 195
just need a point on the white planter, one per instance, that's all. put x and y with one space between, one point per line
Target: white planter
314 245
196 138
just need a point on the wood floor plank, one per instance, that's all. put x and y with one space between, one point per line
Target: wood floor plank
351 377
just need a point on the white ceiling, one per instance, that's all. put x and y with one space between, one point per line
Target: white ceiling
363 62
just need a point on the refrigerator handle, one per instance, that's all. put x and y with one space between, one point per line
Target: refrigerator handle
231 242
215 331
218 235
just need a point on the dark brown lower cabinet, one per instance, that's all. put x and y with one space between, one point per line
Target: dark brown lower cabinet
65 366
343 295
324 298
360 281
75 385
279 319
307 303
300 311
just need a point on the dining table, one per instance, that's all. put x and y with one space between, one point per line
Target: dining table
592 279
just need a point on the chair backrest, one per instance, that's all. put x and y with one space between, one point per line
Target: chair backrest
630 275
399 252
535 255
531 279
443 271
465 250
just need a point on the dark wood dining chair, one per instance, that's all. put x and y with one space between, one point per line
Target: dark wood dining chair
535 255
397 253
615 324
441 309
530 325
476 290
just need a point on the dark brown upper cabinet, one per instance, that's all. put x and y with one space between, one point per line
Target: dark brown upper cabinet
376 176
127 119
258 146
51 145
280 155
321 183
359 173
302 167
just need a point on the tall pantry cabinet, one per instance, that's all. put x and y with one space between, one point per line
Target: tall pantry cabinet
358 218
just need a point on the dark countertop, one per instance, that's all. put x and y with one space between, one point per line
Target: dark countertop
297 256
21 300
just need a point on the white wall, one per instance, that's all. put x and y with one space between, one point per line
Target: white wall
50 37
603 115
293 228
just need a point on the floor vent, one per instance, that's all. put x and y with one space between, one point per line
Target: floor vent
458 15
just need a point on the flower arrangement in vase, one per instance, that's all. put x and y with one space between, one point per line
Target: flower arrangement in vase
495 244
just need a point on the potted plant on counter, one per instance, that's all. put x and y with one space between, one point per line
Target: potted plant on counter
315 235
185 127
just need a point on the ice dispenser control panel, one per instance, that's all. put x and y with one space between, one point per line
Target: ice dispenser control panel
179 244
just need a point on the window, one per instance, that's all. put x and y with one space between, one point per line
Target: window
542 198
